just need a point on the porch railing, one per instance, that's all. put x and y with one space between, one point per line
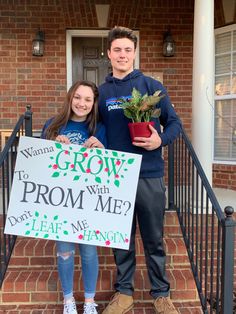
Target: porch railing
208 231
7 164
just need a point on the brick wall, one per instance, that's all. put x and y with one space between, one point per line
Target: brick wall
224 176
41 81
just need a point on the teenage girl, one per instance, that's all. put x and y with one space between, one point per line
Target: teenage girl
77 123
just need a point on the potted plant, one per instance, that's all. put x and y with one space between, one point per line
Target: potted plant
140 109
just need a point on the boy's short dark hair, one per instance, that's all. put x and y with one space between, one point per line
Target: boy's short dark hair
121 32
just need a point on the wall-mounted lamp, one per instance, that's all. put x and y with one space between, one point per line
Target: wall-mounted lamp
168 45
38 44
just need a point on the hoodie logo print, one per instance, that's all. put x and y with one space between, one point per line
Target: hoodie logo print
115 103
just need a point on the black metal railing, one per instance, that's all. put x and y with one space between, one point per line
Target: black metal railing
7 164
208 232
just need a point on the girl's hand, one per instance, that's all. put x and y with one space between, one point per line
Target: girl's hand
62 139
93 142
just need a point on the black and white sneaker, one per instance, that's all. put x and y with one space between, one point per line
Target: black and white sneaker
70 307
90 308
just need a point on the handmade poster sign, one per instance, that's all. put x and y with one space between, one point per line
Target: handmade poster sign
72 193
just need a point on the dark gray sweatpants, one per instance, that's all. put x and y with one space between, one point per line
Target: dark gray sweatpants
149 211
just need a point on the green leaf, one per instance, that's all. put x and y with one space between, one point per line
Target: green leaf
98 151
76 178
117 183
115 154
46 236
83 149
98 180
27 232
58 145
130 161
55 174
36 214
55 217
65 232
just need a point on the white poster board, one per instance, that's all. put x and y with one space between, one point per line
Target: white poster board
72 193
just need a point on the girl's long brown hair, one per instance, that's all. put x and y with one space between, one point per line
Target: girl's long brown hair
62 118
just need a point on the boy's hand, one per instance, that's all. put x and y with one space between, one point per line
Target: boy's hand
148 143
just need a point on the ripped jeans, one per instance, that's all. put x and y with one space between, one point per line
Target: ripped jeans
89 260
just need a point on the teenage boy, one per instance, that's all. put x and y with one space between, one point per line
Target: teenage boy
150 198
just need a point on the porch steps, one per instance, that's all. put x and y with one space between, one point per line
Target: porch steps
31 285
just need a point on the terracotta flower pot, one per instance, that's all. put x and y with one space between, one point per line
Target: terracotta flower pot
139 129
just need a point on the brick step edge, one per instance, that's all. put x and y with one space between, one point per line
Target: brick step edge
37 282
139 308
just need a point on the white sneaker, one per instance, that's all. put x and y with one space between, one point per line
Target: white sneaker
70 308
90 308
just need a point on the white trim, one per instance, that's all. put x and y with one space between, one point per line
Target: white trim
225 162
87 33
224 97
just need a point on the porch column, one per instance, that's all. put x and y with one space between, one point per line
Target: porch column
203 83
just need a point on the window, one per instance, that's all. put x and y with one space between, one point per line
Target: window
225 95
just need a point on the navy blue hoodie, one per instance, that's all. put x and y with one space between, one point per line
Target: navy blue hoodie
116 123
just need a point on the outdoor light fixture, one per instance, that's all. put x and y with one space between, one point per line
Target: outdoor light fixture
168 45
38 44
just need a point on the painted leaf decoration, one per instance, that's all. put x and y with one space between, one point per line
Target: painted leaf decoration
98 151
65 232
27 232
83 149
55 174
76 178
115 154
36 214
58 145
46 236
98 180
117 183
55 217
130 161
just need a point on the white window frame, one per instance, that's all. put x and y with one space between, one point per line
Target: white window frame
218 31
